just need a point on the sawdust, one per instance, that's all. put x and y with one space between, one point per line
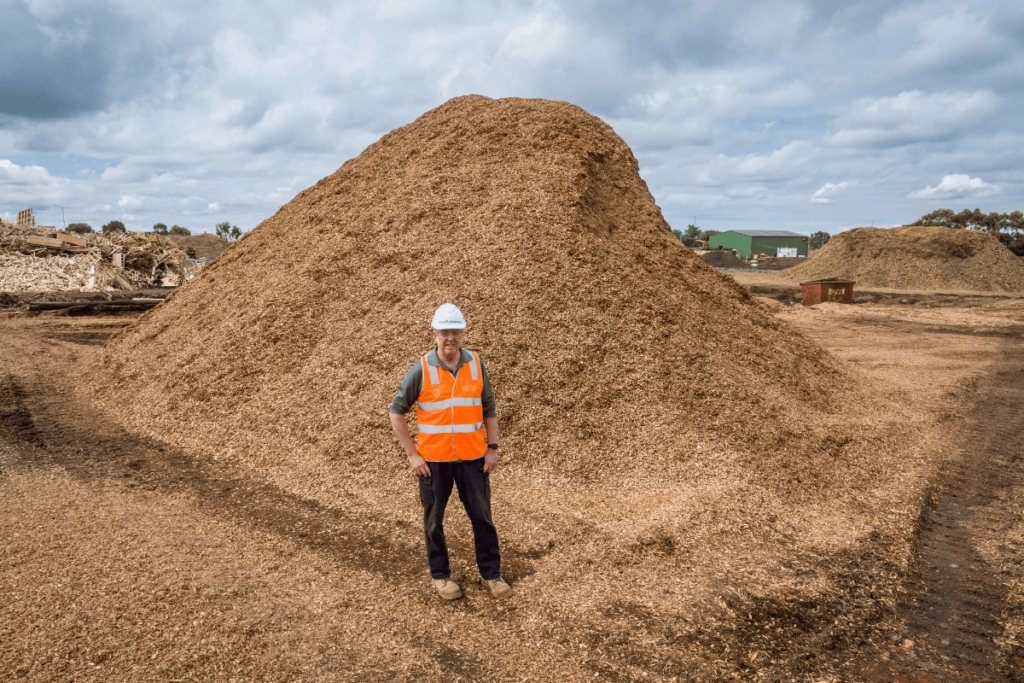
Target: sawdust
918 257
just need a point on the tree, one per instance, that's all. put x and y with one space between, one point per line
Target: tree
706 235
80 228
818 239
692 231
160 229
1008 228
113 226
678 235
227 231
178 230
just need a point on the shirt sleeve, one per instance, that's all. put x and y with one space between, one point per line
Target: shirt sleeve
409 390
487 396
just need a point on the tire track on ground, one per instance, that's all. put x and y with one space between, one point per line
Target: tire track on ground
953 619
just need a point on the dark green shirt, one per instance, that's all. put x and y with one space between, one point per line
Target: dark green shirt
412 384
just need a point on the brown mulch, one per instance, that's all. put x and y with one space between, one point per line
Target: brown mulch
916 257
532 217
656 420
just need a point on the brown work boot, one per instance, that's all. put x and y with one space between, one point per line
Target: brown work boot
498 587
448 589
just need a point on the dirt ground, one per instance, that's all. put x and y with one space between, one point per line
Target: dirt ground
123 558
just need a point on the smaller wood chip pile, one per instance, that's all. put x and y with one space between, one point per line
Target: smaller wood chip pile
39 259
918 257
201 246
723 258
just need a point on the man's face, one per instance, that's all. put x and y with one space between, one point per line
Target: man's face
448 341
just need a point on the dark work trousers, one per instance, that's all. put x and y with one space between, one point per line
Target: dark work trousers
475 493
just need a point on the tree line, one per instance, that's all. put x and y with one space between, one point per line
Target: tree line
1008 228
224 230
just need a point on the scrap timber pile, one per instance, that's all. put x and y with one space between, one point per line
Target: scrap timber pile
40 259
604 333
916 257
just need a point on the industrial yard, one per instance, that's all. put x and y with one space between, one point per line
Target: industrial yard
703 479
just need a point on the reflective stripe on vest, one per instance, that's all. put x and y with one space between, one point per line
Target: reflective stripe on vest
450 414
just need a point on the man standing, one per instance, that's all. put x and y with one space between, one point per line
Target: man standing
457 444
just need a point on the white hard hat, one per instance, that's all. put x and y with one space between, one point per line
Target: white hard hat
448 317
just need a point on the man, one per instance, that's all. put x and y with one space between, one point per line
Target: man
457 444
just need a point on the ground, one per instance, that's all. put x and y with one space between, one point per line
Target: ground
123 558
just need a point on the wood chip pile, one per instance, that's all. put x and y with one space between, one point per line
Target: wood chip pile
662 434
203 245
610 344
917 257
723 258
39 259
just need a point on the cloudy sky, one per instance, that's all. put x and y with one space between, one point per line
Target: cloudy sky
802 115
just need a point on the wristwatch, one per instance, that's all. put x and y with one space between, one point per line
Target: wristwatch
492 446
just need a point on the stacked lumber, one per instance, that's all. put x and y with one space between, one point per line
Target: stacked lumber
43 259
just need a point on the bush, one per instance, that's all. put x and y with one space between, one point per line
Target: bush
178 230
113 226
80 228
160 229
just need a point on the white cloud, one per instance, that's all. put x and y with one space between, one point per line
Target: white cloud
957 186
535 41
732 110
30 186
825 192
912 117
129 201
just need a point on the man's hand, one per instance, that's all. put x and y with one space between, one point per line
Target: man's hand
490 460
419 465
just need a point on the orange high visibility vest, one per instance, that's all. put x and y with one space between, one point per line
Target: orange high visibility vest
450 413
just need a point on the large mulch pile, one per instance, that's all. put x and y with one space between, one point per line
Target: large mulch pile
609 341
916 257
723 258
652 414
203 245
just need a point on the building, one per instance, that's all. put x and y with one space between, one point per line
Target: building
752 242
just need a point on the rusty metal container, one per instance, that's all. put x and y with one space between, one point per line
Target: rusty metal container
830 289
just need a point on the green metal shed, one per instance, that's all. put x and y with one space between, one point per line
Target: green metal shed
749 242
